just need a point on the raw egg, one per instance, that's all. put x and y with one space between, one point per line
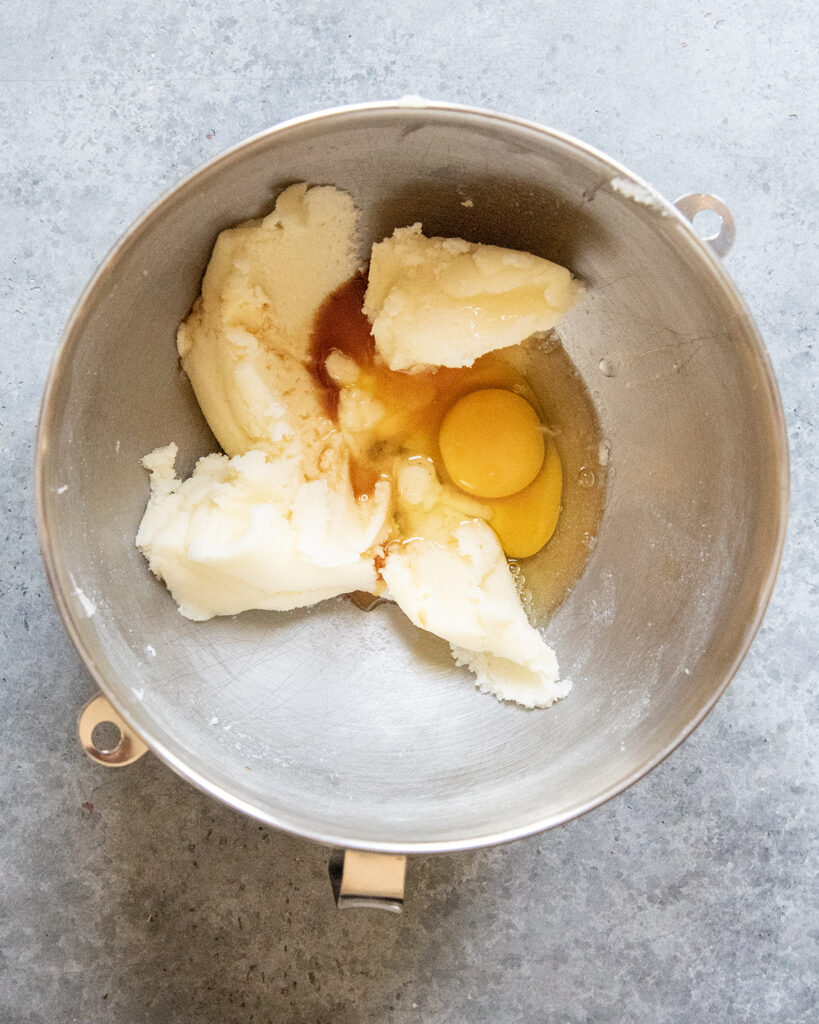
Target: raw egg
492 443
479 425
525 521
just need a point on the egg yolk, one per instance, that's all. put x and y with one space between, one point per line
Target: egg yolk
525 521
492 443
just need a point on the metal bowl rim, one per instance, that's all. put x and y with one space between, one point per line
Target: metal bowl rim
178 764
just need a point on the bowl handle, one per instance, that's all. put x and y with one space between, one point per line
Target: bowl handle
116 754
720 241
374 881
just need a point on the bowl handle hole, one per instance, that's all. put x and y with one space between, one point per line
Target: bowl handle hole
707 224
106 737
711 220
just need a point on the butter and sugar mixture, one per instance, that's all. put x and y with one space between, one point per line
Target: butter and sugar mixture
378 433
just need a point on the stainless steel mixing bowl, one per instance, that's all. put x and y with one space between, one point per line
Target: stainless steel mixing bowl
355 729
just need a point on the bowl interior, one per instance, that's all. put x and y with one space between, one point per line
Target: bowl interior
356 728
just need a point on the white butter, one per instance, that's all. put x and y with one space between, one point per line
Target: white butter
445 302
278 525
246 344
453 579
245 532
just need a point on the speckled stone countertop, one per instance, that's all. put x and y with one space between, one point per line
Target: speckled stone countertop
131 897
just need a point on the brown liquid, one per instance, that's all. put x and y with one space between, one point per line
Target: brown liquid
340 325
365 601
419 402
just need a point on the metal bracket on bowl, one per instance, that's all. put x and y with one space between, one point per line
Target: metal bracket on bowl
113 753
720 241
374 881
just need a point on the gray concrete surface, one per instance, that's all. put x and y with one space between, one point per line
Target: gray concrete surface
128 896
